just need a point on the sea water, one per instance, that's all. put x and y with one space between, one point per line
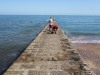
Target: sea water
81 29
17 32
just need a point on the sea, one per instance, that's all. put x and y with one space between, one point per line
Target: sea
18 31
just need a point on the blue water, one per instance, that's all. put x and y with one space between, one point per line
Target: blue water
16 32
81 29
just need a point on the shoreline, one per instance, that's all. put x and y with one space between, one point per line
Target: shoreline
90 52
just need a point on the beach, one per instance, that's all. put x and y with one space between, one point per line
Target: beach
91 54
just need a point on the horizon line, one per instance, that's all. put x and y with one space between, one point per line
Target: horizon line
52 14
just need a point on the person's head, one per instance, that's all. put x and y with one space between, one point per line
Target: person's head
50 17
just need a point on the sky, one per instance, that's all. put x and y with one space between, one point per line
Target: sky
49 7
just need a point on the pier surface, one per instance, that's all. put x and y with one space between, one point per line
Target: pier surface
49 54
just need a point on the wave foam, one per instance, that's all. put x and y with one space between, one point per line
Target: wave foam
86 41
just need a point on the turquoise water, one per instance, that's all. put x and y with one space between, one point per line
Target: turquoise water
16 32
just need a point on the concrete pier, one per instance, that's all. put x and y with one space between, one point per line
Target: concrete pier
50 54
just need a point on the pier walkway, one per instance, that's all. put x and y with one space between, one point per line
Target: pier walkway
49 54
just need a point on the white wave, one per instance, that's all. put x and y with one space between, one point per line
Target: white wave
85 41
79 37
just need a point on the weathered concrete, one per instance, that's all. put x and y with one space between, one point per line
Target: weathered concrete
49 54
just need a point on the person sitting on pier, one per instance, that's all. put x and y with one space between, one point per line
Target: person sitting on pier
55 28
50 24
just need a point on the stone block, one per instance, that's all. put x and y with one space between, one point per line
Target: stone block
14 73
59 73
27 66
32 72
